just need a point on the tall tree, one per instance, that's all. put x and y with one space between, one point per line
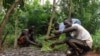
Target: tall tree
6 17
70 9
0 5
16 27
51 19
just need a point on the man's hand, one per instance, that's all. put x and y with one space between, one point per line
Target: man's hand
58 32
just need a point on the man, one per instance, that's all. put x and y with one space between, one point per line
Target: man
81 40
27 38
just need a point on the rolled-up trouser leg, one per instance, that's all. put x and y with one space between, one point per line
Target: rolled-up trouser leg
78 45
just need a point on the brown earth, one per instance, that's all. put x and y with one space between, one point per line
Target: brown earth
29 51
93 54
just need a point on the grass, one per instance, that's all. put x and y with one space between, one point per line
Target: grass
9 42
46 44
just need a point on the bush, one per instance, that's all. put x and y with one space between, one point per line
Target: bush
96 41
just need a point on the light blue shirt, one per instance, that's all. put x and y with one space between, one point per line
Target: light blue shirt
76 21
61 26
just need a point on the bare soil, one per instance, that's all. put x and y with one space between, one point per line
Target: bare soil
29 51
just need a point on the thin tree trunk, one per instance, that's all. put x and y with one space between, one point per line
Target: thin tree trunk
1 5
49 27
16 29
70 9
4 38
51 19
3 23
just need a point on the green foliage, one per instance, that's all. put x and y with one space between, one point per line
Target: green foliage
10 26
96 41
85 10
46 44
59 47
35 14
9 41
1 16
8 3
39 15
90 17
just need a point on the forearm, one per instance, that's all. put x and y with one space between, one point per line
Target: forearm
53 37
31 42
57 43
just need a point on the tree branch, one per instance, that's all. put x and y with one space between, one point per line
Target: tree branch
6 17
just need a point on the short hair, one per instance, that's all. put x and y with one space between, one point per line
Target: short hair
56 26
68 20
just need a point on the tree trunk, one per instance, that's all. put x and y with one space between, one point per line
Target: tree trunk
3 23
16 28
4 38
51 19
70 9
0 5
49 28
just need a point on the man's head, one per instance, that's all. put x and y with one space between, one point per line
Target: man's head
56 25
68 23
31 28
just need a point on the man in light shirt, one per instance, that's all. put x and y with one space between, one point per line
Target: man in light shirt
79 39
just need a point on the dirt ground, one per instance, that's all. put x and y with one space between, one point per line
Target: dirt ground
29 51
93 54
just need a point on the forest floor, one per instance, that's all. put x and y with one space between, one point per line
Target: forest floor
29 51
